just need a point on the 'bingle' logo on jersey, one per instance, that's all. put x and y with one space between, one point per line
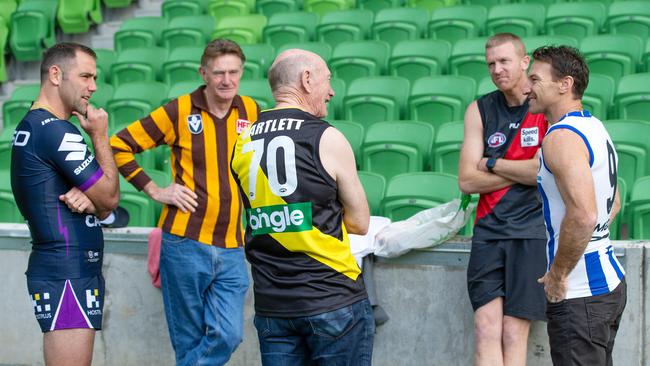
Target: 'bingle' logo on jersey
497 139
74 143
195 123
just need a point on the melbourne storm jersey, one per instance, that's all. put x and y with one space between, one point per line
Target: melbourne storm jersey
512 133
49 157
295 238
598 271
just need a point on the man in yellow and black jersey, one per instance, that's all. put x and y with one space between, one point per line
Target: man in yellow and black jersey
202 268
302 196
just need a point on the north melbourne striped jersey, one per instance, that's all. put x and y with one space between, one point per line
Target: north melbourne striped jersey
598 271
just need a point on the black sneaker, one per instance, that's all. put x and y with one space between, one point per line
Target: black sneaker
118 218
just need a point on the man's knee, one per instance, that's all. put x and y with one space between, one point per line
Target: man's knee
488 321
515 330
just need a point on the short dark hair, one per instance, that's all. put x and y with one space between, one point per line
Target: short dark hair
219 47
565 61
62 53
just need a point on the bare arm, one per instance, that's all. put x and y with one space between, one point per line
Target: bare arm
519 171
567 157
174 194
105 193
470 178
338 160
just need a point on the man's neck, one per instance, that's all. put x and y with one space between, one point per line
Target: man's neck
515 96
52 105
561 109
217 107
290 99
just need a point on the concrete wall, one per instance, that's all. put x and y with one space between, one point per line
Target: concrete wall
423 292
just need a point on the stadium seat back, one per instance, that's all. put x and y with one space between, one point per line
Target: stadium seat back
15 108
375 187
575 19
32 29
415 59
446 147
260 90
468 58
258 59
485 86
185 31
377 98
183 65
321 7
410 193
133 101
629 17
270 7
335 105
524 20
283 28
139 32
440 99
399 24
356 59
346 25
639 209
105 59
354 133
532 43
243 29
180 88
228 8
102 95
138 64
458 22
613 55
599 95
377 5
181 8
632 142
632 100
76 16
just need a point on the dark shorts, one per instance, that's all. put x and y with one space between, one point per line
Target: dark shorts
67 304
508 269
581 331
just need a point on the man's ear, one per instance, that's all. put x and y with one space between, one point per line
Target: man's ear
305 79
566 84
55 75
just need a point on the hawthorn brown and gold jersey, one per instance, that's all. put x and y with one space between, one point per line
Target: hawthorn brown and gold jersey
201 147
296 241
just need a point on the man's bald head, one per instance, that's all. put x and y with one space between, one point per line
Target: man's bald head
287 68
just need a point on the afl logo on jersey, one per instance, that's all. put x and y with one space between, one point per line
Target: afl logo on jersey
195 123
496 139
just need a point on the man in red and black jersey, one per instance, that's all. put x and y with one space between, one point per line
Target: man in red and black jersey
499 161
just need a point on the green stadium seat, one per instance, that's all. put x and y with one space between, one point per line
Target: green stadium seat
376 98
432 5
345 25
419 58
7 7
243 29
258 59
632 142
228 8
457 22
322 7
32 29
15 108
639 209
399 24
646 56
395 147
192 30
270 7
180 88
468 58
485 86
283 28
546 3
139 32
356 59
133 101
138 64
375 187
182 8
102 95
353 132
629 17
575 19
533 43
440 99
615 227
487 3
4 36
105 59
599 95
613 55
446 147
9 212
410 193
524 20
76 16
117 3
183 65
632 98
322 49
335 105
377 5
258 89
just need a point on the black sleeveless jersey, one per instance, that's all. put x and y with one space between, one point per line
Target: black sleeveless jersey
49 157
513 212
295 238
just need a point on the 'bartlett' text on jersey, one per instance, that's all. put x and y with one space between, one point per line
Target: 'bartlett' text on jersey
513 212
50 157
295 238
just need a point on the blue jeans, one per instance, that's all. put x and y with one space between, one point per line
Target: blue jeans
203 290
336 338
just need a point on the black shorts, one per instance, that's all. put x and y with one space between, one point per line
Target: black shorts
67 304
508 269
581 331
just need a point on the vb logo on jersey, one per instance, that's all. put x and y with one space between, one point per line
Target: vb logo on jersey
496 139
290 218
195 123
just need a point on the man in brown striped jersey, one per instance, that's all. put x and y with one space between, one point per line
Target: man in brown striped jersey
203 275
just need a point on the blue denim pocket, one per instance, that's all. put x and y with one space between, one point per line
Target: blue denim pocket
333 324
262 326
168 238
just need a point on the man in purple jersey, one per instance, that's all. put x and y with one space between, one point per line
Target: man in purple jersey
62 190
